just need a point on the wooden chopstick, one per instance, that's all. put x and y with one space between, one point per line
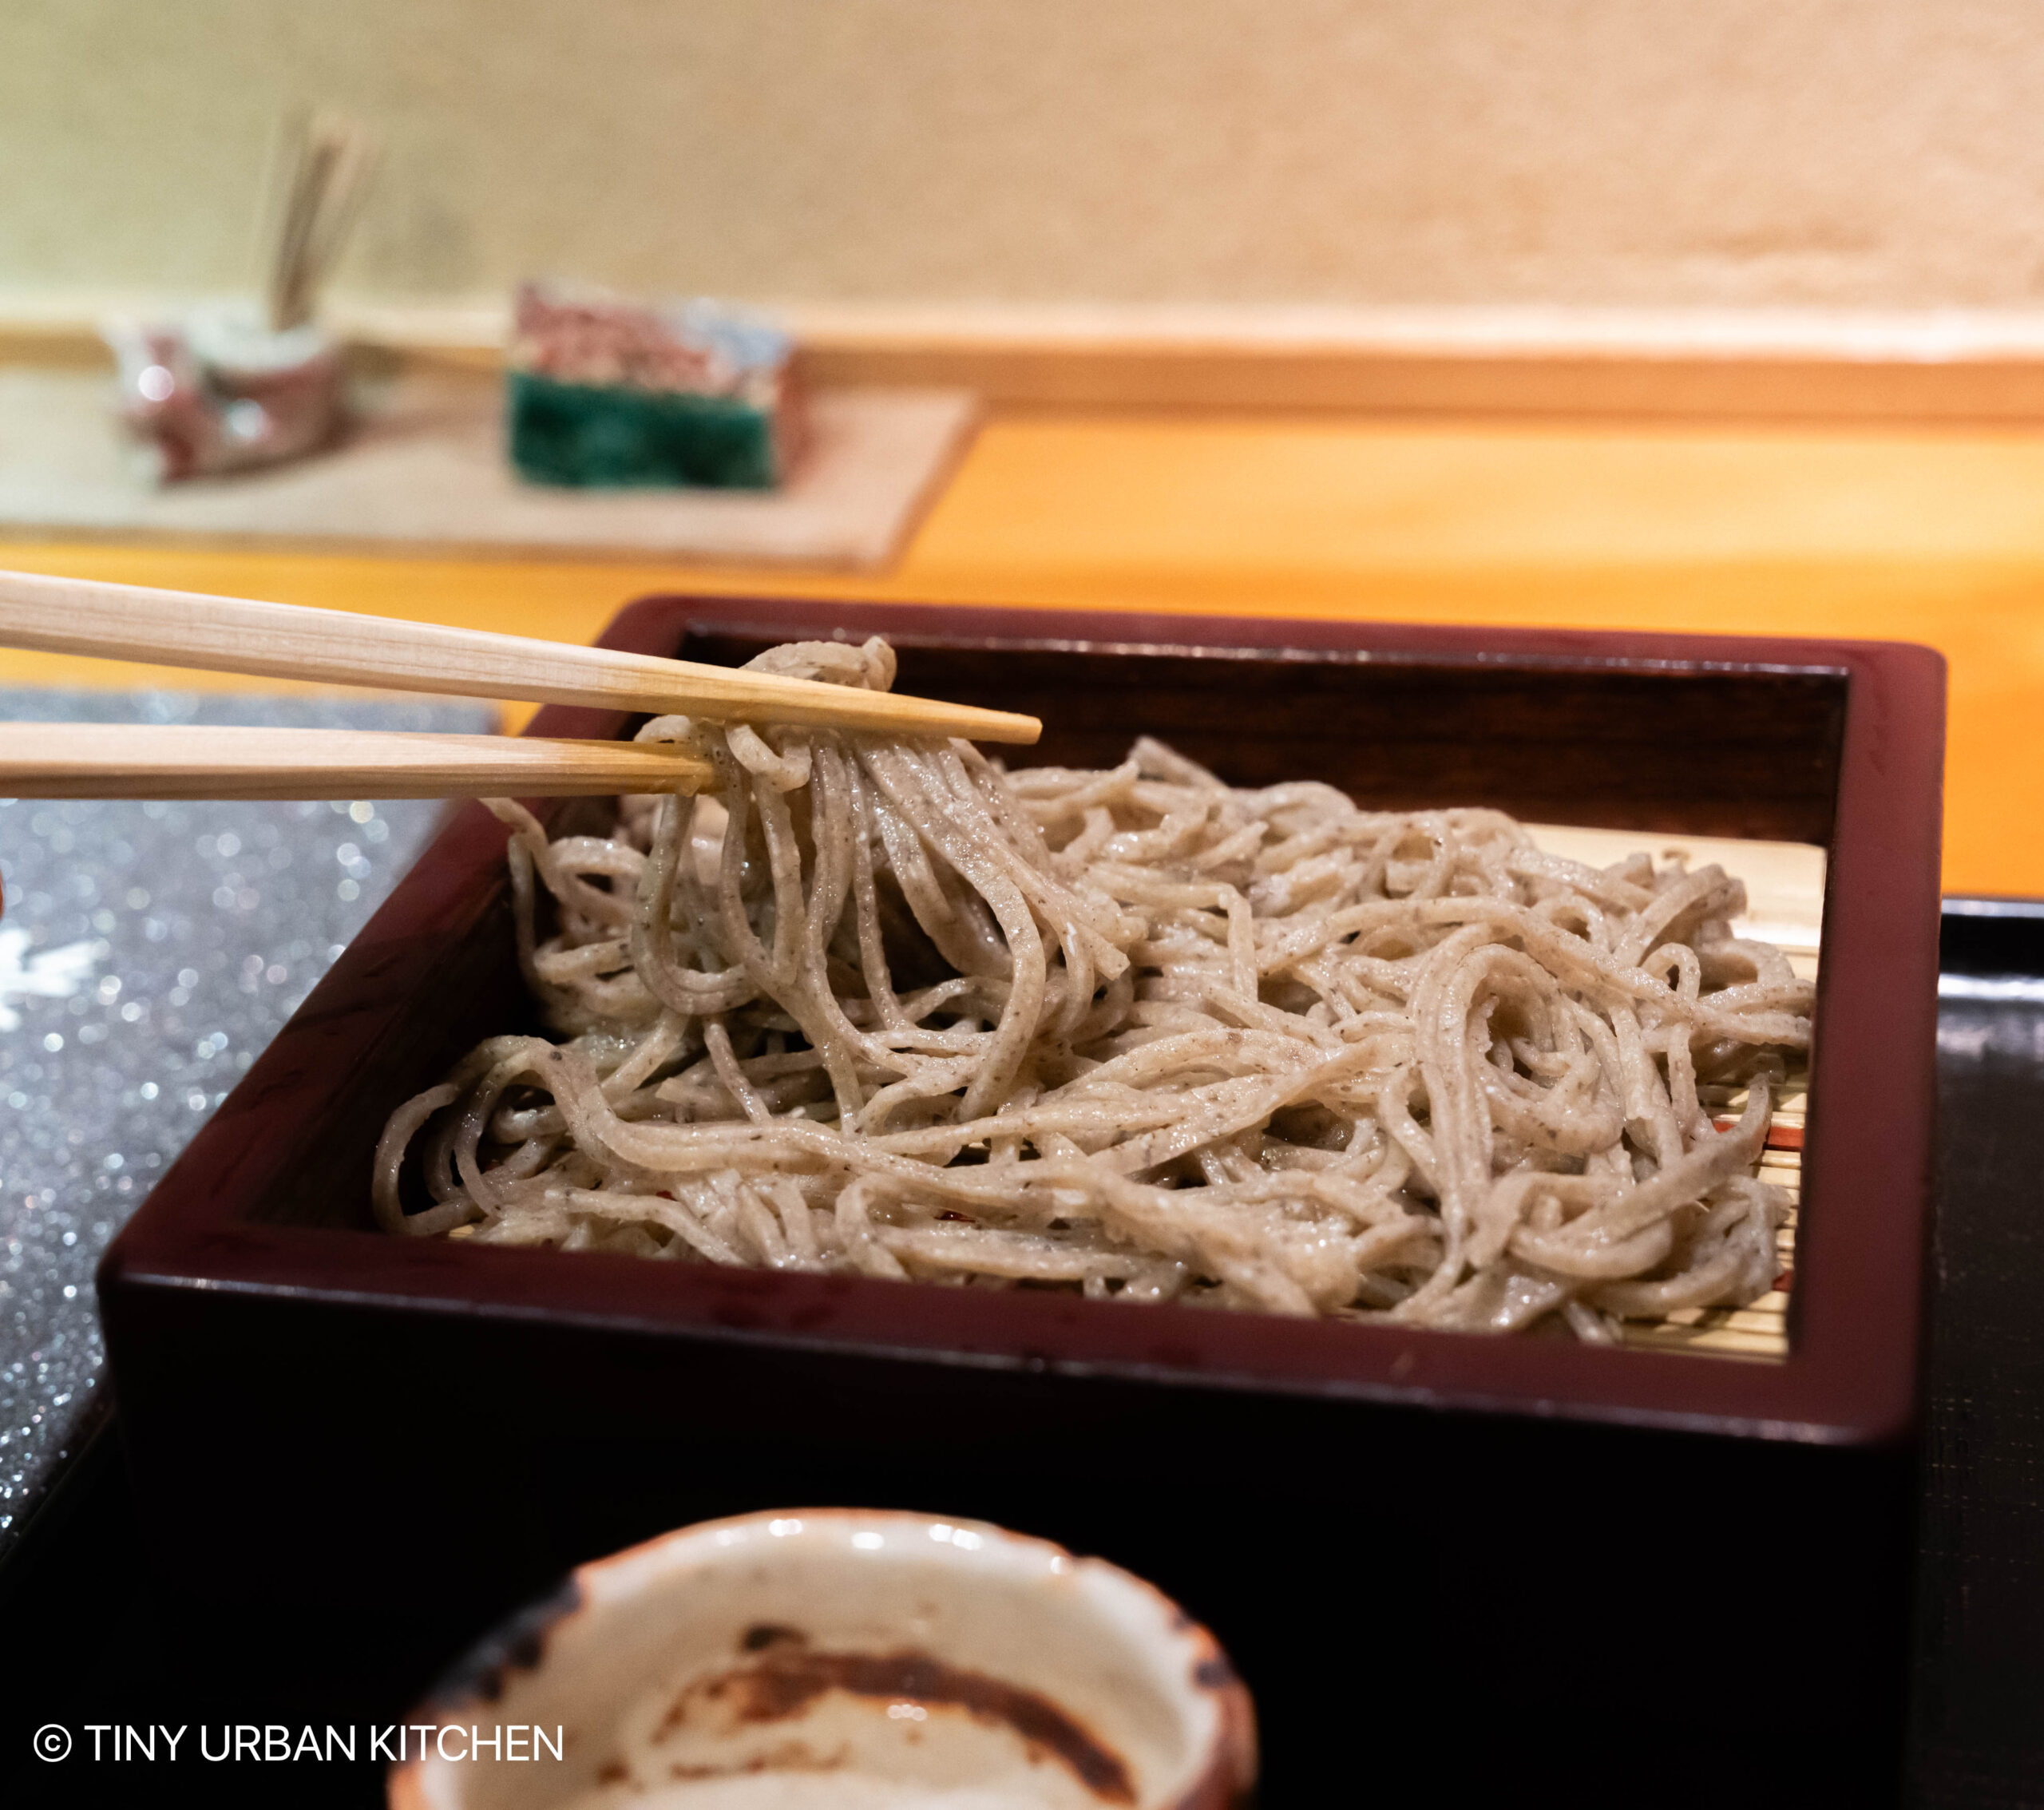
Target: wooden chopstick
135 760
133 622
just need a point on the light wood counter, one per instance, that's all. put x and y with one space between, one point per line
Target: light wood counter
1935 536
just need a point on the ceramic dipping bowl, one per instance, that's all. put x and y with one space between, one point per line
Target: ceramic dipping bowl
840 1658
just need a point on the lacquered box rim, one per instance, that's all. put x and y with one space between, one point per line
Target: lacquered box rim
1850 1377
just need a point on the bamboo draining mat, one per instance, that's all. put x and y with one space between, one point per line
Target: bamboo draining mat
1784 895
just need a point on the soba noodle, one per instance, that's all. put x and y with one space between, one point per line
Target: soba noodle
879 1007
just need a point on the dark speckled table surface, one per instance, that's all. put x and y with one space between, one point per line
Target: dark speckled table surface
147 954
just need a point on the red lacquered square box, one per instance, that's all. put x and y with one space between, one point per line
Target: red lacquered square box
448 1424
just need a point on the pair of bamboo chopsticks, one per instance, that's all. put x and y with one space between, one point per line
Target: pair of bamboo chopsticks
72 615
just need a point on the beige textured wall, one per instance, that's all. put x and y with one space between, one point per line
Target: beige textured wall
1878 153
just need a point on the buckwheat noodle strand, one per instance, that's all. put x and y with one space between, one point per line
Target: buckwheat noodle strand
880 1007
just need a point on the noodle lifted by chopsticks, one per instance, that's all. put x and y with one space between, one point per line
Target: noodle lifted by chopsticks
878 1007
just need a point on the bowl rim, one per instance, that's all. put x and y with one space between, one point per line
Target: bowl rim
1222 1769
1850 1376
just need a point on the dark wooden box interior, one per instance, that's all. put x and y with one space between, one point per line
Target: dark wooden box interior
447 1427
